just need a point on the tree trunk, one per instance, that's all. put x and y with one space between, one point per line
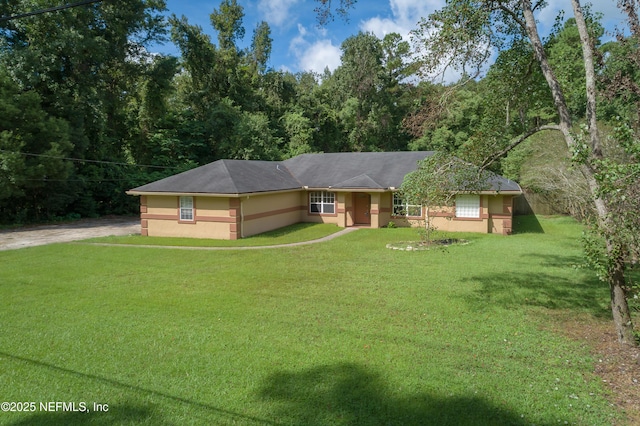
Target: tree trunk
590 77
615 270
619 305
615 254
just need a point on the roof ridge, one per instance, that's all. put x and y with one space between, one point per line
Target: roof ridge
281 166
229 174
355 178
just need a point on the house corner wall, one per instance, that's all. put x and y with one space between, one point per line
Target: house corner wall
144 223
507 210
386 207
235 213
501 214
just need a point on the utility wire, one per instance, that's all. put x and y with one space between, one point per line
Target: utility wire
85 161
48 10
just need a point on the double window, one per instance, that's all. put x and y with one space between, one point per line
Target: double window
403 208
322 202
468 206
186 209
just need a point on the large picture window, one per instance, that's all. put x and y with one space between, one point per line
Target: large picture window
322 202
186 208
468 206
402 208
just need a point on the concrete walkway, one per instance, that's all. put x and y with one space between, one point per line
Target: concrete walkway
301 243
90 228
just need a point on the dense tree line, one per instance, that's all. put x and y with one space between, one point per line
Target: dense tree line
87 112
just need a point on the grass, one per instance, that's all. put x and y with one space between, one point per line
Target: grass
345 332
290 234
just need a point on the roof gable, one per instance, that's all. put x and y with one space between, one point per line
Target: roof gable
361 181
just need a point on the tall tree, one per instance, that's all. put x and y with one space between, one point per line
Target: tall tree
261 46
467 31
33 146
227 21
82 61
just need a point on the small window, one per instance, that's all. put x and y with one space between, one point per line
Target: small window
322 202
468 206
186 208
402 208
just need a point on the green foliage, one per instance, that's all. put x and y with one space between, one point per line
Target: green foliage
32 147
261 46
618 177
436 182
80 72
439 178
79 84
228 22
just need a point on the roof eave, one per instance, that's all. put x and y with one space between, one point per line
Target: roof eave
210 194
334 189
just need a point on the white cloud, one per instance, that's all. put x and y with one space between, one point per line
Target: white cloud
276 12
405 15
611 14
382 26
314 55
320 55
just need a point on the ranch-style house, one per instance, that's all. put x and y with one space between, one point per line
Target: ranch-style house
231 199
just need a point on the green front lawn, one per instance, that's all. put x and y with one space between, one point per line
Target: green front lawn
345 332
290 234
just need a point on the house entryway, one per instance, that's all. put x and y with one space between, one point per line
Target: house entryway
361 208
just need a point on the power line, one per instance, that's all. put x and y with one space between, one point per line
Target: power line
85 160
48 10
75 180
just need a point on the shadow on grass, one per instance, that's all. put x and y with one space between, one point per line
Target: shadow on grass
125 414
350 394
543 288
528 224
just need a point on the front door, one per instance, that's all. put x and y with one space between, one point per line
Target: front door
362 208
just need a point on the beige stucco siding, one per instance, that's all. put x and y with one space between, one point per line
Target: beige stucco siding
212 207
386 208
162 205
236 217
262 213
166 228
495 217
160 217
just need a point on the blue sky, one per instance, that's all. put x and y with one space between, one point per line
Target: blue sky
299 44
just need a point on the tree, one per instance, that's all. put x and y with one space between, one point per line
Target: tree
33 145
261 46
463 34
82 62
367 93
437 181
228 22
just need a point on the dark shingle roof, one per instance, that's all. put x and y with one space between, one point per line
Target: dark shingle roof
227 177
347 170
384 169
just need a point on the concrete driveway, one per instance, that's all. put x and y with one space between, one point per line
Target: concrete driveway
65 232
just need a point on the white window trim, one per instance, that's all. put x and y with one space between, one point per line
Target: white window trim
468 206
186 211
326 202
406 207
